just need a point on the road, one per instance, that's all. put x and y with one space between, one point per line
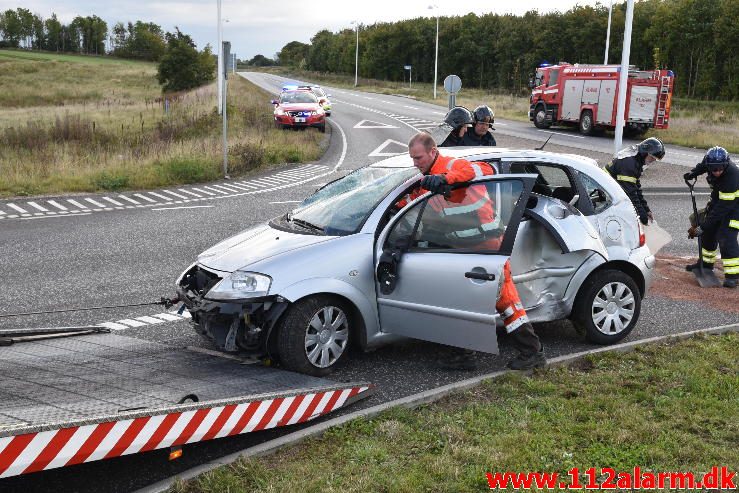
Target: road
119 255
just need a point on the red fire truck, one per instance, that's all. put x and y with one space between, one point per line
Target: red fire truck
587 95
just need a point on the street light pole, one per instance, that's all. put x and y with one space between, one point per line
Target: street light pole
608 33
356 55
623 79
436 61
220 62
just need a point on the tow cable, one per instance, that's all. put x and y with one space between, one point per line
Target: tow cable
167 302
10 337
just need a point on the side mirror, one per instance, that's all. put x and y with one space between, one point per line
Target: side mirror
387 271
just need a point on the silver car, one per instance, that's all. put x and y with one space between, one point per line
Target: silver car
349 266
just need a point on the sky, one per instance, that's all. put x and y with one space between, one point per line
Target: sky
265 26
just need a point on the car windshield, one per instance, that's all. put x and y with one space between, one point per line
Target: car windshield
341 207
318 92
297 97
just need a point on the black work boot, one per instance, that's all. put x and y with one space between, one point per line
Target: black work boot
528 361
696 266
460 360
731 282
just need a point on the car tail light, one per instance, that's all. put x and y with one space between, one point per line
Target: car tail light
642 236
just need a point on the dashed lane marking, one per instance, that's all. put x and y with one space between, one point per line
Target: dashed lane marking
76 204
112 201
35 205
95 203
182 207
56 204
131 322
18 209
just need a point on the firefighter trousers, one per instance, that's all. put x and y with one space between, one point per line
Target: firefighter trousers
723 240
515 320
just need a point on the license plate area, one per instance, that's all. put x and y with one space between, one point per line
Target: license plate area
299 119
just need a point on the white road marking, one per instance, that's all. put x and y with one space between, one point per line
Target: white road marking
188 192
34 204
113 325
182 207
76 204
264 181
203 191
129 199
410 107
131 323
144 197
95 203
216 190
175 194
57 205
53 217
343 142
250 186
114 202
17 209
235 187
150 320
378 152
372 124
2 213
287 202
160 196
563 135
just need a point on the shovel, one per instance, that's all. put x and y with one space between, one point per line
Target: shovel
705 277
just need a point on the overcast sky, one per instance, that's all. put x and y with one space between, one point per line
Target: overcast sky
265 26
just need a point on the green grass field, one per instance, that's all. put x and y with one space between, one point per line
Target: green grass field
699 124
663 407
82 124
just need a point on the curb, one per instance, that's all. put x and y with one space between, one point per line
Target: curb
415 400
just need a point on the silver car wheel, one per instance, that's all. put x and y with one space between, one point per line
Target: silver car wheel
326 336
613 308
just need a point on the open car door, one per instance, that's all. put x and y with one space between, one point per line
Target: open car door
440 260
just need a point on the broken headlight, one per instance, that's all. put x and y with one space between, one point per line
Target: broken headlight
241 284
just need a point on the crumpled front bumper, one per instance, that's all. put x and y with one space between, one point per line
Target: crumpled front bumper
233 325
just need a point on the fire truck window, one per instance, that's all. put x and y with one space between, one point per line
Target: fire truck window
539 78
553 77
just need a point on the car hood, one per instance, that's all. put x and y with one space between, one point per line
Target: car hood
300 106
253 245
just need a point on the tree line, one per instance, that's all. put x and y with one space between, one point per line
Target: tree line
90 35
696 39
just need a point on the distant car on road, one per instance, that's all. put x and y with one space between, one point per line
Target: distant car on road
346 267
299 109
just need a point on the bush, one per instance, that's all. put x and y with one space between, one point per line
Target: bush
186 170
182 66
111 182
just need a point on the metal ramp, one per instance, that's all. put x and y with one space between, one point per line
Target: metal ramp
92 397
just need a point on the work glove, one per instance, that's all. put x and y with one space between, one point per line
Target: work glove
688 176
694 232
434 183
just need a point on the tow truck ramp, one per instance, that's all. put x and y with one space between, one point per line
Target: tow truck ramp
93 397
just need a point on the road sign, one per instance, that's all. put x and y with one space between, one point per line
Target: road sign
407 67
452 84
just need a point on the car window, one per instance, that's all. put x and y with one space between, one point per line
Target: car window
341 207
600 199
318 92
551 181
297 97
469 220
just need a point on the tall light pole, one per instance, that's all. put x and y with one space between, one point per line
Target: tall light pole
220 61
436 60
623 79
608 33
356 55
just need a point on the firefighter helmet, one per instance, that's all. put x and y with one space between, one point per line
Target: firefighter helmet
483 114
652 147
717 158
458 117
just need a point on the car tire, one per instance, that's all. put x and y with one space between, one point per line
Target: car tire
586 124
322 128
607 307
313 335
540 117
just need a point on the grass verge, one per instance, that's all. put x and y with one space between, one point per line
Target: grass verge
65 126
698 124
664 407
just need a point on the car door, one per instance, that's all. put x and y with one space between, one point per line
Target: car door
439 262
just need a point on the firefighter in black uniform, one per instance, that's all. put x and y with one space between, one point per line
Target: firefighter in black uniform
456 122
720 225
480 134
627 171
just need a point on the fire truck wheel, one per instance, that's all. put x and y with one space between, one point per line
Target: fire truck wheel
586 122
540 117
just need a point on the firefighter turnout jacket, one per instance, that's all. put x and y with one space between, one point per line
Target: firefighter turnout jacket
472 139
721 223
627 172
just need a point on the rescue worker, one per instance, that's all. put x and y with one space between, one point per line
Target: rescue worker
480 135
441 172
456 122
720 225
627 171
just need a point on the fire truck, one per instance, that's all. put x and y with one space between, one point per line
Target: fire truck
587 95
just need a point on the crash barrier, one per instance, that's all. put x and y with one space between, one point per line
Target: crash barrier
45 383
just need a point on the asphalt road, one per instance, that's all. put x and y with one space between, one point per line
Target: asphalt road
128 256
